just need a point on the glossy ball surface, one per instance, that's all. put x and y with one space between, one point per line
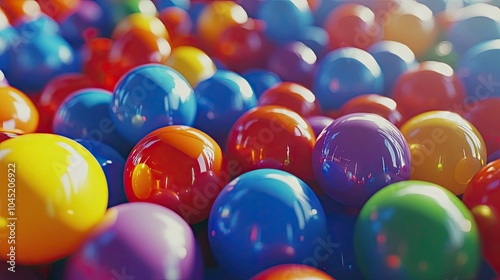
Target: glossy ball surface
375 104
149 97
177 167
359 154
140 240
292 272
245 232
424 219
17 111
59 187
484 115
192 63
292 96
293 62
318 123
260 80
445 149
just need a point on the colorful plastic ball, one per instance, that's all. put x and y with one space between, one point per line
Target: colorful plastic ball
344 74
262 219
482 197
161 5
221 100
40 58
192 63
317 39
318 123
292 272
143 22
113 165
431 86
293 62
150 97
375 104
359 154
463 33
494 156
177 22
17 111
260 80
484 115
216 17
292 96
410 15
59 9
17 10
40 25
138 241
479 71
95 60
8 38
352 25
272 137
59 188
186 181
290 24
417 228
394 59
445 149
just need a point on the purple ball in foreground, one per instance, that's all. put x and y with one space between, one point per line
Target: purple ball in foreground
140 241
359 154
318 123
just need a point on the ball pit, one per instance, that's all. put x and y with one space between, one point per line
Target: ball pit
249 139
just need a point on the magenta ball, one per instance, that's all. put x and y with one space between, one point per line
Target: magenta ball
138 240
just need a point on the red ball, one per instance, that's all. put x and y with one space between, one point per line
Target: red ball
484 114
178 167
292 96
177 22
271 137
482 197
95 56
375 104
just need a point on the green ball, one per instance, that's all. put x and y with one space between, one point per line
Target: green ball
416 230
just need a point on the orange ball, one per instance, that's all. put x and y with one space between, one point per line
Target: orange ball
17 9
143 22
17 111
177 21
58 9
292 272
375 104
292 96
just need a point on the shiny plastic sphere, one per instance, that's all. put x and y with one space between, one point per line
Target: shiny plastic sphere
262 219
143 22
8 39
16 10
293 62
431 86
482 197
410 15
216 17
317 40
162 5
416 230
318 123
138 241
289 24
132 49
177 167
40 58
221 100
260 80
150 97
344 74
352 25
359 154
192 63
59 188
95 59
470 19
271 137
445 149
292 96
484 115
479 72
17 111
375 104
292 272
394 59
113 166
177 22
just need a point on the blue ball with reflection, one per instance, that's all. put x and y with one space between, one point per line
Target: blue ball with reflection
261 80
265 218
150 97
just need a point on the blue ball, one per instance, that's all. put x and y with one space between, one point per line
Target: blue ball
42 25
113 165
346 73
436 6
317 39
85 115
162 4
8 37
479 71
261 80
221 100
394 59
150 97
40 59
289 24
325 8
265 218
195 11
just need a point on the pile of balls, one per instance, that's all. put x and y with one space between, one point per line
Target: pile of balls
270 139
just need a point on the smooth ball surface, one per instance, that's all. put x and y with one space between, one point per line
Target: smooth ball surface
375 104
17 111
292 272
292 96
192 63
484 115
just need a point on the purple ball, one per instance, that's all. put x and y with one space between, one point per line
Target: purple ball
140 241
318 123
359 154
293 62
494 156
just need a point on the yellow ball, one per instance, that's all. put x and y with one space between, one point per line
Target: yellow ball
53 192
445 149
192 63
143 22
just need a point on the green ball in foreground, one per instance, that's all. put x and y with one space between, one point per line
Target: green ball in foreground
416 230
